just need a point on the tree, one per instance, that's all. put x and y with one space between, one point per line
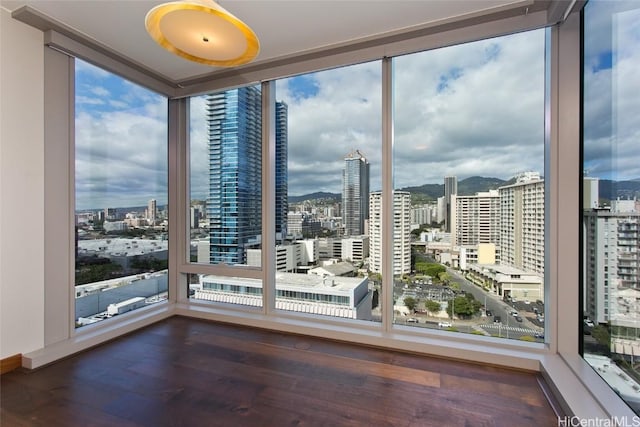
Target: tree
601 334
97 271
462 307
432 306
444 277
410 302
429 268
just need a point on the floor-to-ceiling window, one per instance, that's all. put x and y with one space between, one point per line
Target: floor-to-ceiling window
328 166
442 179
225 187
469 180
121 175
610 323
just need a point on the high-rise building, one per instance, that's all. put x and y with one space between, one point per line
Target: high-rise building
282 177
355 193
590 193
110 214
152 212
612 267
401 232
478 218
234 206
450 189
522 223
422 214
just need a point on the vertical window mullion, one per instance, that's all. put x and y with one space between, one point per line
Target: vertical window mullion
387 193
269 197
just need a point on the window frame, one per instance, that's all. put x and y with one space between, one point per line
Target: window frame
582 391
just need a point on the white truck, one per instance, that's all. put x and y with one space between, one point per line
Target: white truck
124 306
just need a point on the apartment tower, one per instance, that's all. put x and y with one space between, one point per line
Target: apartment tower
234 206
478 218
401 232
355 193
152 211
522 223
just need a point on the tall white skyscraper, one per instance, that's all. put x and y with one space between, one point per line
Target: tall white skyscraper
590 192
152 211
355 193
401 232
522 223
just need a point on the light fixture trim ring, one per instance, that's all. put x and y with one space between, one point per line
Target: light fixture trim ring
155 16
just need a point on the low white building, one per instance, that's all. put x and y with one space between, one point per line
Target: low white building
337 269
347 297
122 251
508 281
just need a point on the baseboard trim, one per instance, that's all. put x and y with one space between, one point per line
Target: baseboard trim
10 363
93 335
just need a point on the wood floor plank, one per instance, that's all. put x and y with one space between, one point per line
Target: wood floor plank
188 372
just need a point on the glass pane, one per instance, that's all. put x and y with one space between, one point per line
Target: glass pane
469 180
226 177
611 212
225 289
226 192
328 161
121 195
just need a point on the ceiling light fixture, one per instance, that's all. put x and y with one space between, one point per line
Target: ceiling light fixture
202 31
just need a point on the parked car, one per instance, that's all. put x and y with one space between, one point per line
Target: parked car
412 320
444 324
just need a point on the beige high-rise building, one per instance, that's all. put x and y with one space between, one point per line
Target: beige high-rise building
152 211
522 223
401 232
477 218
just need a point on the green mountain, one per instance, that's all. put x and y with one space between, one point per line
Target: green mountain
427 192
466 187
610 190
319 195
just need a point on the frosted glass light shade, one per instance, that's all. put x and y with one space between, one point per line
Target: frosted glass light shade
202 31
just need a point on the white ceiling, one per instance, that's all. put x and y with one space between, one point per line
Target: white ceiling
284 27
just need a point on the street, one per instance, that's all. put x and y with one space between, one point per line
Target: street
508 327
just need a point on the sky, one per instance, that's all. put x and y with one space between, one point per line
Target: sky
612 61
466 110
120 139
473 109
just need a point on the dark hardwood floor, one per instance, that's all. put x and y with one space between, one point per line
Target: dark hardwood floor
186 372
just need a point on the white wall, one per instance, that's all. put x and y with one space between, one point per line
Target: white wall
21 187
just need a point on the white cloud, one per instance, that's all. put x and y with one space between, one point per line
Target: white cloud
100 91
121 159
473 109
611 85
80 100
